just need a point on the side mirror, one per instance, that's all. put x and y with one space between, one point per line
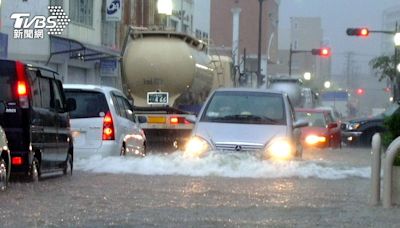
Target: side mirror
142 119
191 119
300 124
2 108
71 104
332 125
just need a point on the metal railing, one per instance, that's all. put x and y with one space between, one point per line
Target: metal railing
390 154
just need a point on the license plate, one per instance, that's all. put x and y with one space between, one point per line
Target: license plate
157 98
156 119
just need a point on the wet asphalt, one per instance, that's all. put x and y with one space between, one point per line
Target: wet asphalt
89 199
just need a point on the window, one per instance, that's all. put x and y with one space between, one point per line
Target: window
88 104
56 103
7 79
121 107
45 92
116 105
128 110
81 11
246 108
56 3
35 90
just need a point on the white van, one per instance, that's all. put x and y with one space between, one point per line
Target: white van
103 122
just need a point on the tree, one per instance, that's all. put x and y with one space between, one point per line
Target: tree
385 67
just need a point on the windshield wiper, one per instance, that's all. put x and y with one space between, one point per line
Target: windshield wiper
249 117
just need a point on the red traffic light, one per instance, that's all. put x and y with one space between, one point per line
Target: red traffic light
324 52
364 32
360 91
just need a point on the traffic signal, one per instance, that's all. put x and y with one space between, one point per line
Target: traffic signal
363 32
360 91
324 52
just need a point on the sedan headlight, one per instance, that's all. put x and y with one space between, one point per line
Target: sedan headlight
353 126
279 149
196 147
314 139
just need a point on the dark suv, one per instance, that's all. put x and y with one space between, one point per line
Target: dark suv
36 119
360 131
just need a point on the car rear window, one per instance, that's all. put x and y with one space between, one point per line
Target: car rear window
7 78
88 104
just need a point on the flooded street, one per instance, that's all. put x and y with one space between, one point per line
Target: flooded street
327 188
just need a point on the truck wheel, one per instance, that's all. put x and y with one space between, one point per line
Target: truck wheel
34 172
69 165
3 175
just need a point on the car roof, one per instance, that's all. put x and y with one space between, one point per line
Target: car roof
98 88
31 64
243 89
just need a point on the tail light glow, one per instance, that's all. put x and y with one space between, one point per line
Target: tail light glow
16 161
22 85
178 120
22 88
108 127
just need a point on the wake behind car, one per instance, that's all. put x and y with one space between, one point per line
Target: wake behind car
240 120
359 132
35 120
104 122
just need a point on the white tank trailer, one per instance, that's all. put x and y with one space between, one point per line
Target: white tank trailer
168 75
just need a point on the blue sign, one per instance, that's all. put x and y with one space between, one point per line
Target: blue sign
108 67
335 96
3 45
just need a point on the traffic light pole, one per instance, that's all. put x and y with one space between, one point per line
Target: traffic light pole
396 91
291 52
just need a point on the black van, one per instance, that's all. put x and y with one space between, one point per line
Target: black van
36 119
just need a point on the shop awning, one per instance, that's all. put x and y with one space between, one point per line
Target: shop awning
78 50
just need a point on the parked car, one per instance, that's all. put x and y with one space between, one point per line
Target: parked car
104 122
247 120
322 132
359 132
5 162
36 120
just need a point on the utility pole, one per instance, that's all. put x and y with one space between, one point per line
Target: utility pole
259 80
349 61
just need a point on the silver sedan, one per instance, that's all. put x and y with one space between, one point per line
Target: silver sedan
247 120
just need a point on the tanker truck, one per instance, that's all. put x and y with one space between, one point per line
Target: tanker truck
168 75
300 96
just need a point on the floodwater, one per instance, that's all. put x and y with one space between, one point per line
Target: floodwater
328 188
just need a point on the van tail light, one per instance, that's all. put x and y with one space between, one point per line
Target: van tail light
22 86
16 161
108 127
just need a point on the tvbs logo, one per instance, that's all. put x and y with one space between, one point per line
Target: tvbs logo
27 27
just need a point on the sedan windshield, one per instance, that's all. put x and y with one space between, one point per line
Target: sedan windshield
315 119
245 108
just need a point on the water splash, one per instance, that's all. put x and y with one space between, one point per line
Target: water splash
224 165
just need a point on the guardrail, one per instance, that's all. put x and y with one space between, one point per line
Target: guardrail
390 154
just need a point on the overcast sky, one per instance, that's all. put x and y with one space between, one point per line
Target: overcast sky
336 16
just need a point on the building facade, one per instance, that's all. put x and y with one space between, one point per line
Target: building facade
86 51
234 29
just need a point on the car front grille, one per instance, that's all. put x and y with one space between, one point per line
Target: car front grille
238 147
